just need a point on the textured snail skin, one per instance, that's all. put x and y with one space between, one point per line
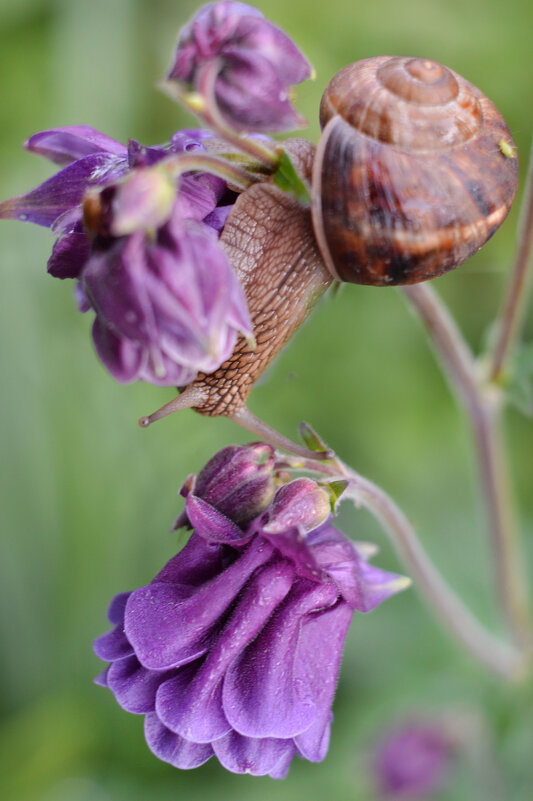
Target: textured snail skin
269 240
410 178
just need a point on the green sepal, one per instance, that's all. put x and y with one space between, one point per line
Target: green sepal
335 489
287 179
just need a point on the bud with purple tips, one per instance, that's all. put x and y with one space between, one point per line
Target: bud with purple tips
253 63
234 648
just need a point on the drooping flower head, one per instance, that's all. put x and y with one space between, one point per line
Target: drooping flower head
167 301
254 65
234 648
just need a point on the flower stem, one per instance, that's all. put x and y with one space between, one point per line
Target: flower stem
174 166
203 104
500 657
512 310
483 404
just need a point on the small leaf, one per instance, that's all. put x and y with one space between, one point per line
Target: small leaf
519 386
311 438
287 179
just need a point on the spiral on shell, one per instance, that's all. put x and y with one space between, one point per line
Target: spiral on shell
415 170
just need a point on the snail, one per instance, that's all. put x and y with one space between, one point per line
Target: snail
414 171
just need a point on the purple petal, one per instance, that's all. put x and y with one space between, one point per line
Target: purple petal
101 679
252 95
313 743
292 544
258 757
142 156
376 585
112 645
171 748
256 36
268 690
197 563
211 524
189 141
170 625
62 191
122 357
69 254
64 145
134 687
198 195
115 613
217 218
193 707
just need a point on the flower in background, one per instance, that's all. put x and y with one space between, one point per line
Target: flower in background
146 255
254 65
234 648
413 760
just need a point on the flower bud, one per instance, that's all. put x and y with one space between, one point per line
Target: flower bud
301 503
255 64
238 481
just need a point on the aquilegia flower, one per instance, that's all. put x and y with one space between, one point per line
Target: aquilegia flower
234 648
146 255
254 65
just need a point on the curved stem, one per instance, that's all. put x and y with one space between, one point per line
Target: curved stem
176 165
495 654
483 405
500 657
203 104
512 309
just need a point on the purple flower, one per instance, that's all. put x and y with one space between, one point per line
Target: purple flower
413 760
234 648
166 306
167 301
255 65
93 160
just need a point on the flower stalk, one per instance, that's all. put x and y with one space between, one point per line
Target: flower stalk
512 310
483 403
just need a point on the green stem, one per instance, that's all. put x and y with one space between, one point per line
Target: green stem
511 313
176 165
483 405
203 104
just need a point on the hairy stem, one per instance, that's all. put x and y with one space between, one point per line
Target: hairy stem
497 655
203 104
483 406
176 165
512 310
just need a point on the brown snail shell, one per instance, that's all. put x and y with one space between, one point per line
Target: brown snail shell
415 170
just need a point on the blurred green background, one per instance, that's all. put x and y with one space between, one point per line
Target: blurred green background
88 497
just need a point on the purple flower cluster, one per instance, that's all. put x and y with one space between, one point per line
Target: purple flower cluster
167 301
234 648
253 64
143 251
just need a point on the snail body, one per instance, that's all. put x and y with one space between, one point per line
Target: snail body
414 171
